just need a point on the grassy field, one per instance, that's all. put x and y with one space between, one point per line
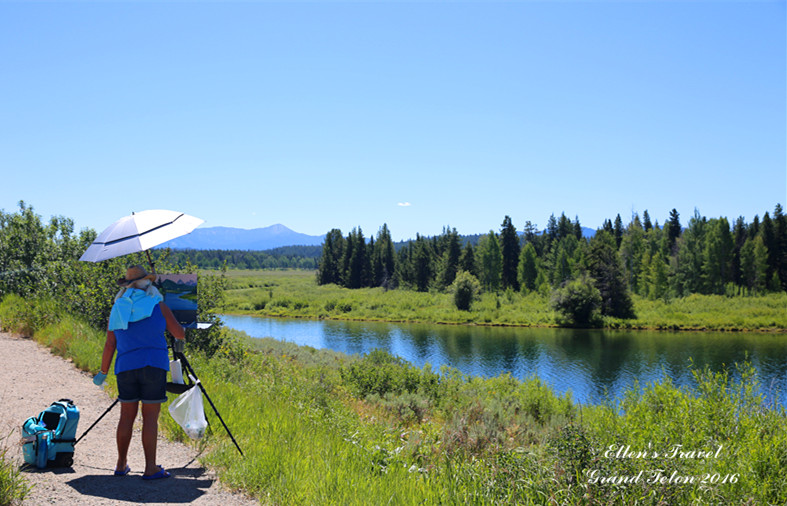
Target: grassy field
318 427
296 294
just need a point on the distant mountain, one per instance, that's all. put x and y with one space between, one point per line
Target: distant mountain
257 239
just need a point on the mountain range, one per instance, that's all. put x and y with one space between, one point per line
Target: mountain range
261 239
257 239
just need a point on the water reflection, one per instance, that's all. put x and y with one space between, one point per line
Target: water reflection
590 364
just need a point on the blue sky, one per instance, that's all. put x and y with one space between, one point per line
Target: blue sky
322 115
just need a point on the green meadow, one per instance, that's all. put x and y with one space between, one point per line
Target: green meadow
318 427
295 293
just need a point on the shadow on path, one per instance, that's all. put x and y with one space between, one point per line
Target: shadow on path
185 485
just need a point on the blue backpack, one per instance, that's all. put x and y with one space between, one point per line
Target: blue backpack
49 438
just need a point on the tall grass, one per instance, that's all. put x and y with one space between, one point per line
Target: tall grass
319 427
296 294
13 487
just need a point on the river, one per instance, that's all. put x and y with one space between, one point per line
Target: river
591 364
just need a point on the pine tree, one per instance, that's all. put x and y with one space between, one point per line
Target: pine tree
768 231
564 227
604 267
738 240
383 259
509 243
490 262
754 264
422 263
717 256
646 221
356 261
528 267
672 227
467 261
618 230
330 266
449 261
780 243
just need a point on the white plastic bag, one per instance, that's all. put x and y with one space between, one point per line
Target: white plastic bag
187 410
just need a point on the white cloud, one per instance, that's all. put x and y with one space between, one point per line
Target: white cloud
404 204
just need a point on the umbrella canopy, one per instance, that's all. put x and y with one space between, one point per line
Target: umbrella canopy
139 232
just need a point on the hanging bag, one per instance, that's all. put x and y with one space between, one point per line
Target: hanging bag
187 410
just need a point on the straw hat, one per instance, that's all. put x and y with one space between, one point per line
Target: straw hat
135 273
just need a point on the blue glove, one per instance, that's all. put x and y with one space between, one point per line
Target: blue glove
99 378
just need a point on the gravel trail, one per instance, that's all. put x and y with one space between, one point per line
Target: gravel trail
31 378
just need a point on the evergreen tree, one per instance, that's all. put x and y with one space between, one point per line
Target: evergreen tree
449 262
754 227
658 286
383 258
330 266
754 264
577 228
738 240
717 256
604 267
687 268
509 244
646 221
631 249
356 261
672 227
467 261
780 242
618 230
564 227
490 262
530 232
528 267
422 263
768 232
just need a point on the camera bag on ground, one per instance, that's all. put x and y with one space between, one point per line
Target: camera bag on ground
48 439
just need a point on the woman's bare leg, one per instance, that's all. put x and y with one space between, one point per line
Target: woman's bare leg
128 413
150 413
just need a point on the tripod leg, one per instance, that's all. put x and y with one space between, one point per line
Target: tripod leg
98 420
185 363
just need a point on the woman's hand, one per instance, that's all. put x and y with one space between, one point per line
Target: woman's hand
99 379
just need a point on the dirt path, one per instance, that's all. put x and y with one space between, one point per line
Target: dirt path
31 378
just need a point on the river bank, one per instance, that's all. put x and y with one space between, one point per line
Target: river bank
295 294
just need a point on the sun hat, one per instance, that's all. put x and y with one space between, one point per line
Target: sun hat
135 273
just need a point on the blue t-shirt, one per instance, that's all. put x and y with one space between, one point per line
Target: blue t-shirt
143 344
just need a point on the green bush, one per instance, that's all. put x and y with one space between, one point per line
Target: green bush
380 373
578 301
466 289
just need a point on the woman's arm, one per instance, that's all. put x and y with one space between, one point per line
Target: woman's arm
173 326
109 352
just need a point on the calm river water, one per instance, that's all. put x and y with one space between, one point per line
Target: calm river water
591 364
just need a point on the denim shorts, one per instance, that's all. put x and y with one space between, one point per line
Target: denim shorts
148 384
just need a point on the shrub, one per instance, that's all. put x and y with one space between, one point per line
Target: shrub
466 289
380 373
578 301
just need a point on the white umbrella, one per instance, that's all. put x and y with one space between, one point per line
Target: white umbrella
139 232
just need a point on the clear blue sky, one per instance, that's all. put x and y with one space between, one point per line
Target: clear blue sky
322 115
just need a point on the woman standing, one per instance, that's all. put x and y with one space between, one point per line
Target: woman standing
136 328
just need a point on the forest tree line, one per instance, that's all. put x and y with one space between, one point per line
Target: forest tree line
704 255
286 257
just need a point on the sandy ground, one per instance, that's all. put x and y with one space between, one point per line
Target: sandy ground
31 378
